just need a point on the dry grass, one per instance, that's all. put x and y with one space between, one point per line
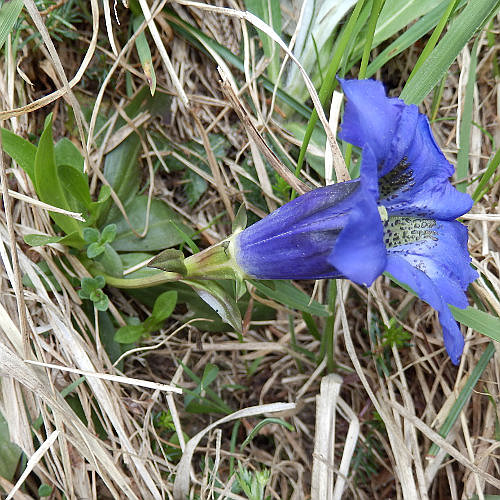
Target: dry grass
117 452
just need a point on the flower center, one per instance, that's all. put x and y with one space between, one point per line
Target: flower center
384 216
404 230
399 179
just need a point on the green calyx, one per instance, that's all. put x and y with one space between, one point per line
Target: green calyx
216 262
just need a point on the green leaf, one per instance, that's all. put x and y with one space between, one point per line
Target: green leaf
142 46
9 13
67 153
47 182
466 24
107 332
44 490
164 306
94 249
480 321
433 39
10 453
315 36
21 151
108 233
415 32
91 235
122 172
194 187
169 260
329 82
464 395
75 185
240 221
287 294
129 334
397 15
110 261
490 170
219 300
262 423
89 285
161 230
96 207
100 300
71 240
268 11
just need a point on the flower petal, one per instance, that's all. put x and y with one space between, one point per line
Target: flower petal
430 293
432 258
359 252
415 177
438 248
295 241
414 173
369 117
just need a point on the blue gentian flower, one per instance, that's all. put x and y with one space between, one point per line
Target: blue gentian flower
399 216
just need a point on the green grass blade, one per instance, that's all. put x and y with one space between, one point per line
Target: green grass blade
9 12
464 395
415 32
490 170
479 321
262 423
467 23
142 46
285 293
377 6
434 38
330 82
397 14
462 166
269 11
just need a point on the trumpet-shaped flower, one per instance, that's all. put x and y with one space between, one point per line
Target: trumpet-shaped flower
398 216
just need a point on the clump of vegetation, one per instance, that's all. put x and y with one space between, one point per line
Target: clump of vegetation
124 137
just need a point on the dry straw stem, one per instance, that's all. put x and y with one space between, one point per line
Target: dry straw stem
130 460
181 484
113 378
33 461
324 485
163 52
44 101
45 206
253 133
333 122
340 167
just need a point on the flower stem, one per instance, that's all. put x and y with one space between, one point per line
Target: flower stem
155 279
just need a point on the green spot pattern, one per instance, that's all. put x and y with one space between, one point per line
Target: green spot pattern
404 230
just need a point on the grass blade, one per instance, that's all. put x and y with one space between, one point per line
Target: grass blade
9 12
470 20
480 321
329 82
490 170
464 395
434 38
